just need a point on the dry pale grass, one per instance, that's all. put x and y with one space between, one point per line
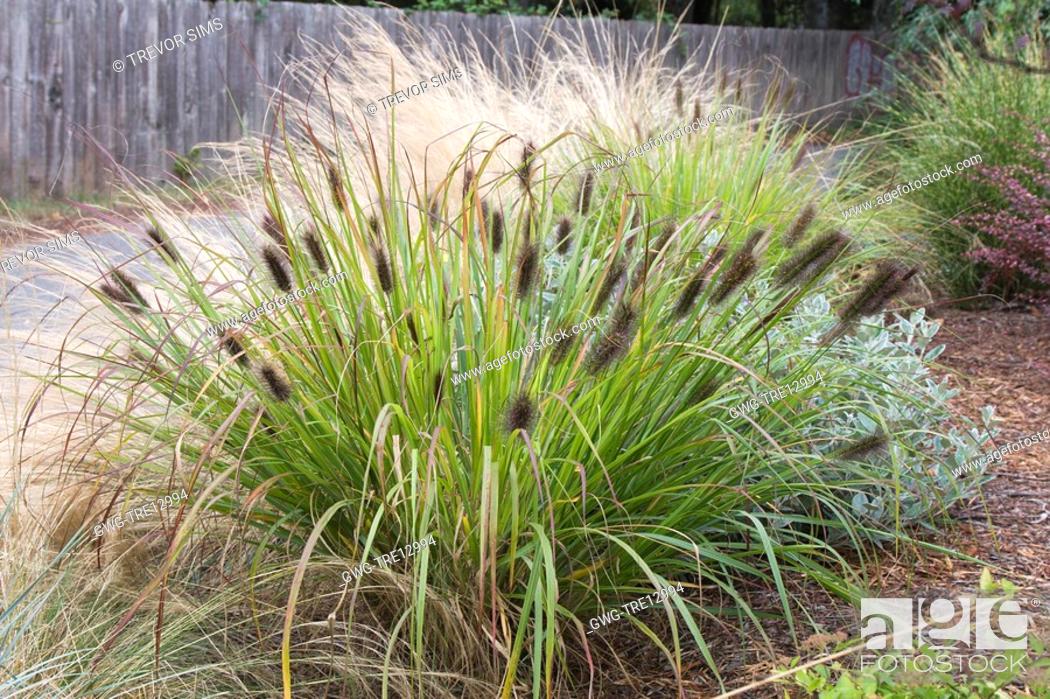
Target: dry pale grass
586 95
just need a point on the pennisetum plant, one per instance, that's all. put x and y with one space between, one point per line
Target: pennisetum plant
396 400
539 417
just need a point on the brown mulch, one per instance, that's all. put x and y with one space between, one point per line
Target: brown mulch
994 357
1002 359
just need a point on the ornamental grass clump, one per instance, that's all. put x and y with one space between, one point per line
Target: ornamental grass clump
347 407
941 113
556 483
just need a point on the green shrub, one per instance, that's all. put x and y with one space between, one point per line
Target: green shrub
924 23
958 104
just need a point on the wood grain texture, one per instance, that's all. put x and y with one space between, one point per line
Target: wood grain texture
68 120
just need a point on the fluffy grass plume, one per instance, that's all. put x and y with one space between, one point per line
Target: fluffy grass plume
277 267
164 244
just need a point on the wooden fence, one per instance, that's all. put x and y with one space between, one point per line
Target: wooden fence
68 111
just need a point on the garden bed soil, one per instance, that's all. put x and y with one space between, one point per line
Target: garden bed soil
996 357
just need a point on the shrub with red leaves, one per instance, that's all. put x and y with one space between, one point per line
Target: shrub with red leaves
1014 256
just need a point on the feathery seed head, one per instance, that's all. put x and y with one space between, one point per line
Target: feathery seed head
890 290
754 238
888 280
715 257
617 340
274 261
636 229
740 269
616 272
623 319
276 381
118 295
468 180
664 237
124 291
563 235
811 261
798 228
697 282
496 230
561 349
335 182
316 250
128 284
871 296
521 413
384 274
528 267
164 245
862 447
689 293
583 198
234 347
528 155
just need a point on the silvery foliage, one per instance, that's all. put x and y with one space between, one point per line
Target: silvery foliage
877 378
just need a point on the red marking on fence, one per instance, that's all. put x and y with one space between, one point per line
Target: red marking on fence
867 68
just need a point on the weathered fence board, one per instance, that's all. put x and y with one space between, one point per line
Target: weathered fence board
66 115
